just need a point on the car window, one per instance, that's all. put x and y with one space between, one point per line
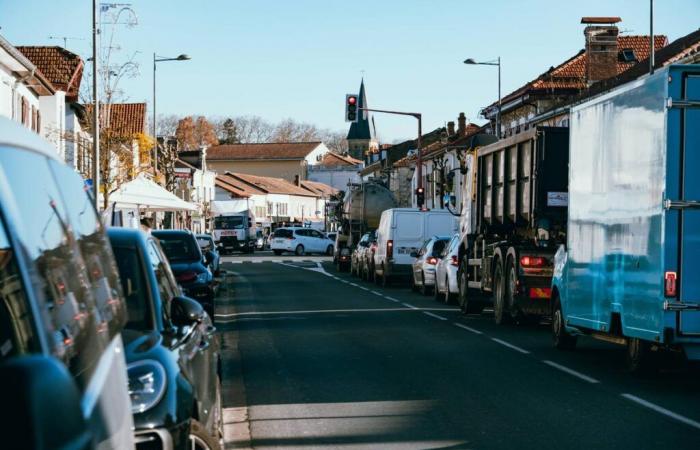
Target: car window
135 288
167 287
95 248
424 248
179 247
78 328
315 234
17 331
303 233
438 246
204 243
283 233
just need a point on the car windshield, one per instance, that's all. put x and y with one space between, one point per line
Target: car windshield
439 246
228 223
205 242
283 233
179 247
135 289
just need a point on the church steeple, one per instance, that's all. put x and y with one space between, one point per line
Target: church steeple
360 136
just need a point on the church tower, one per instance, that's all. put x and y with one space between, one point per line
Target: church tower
361 134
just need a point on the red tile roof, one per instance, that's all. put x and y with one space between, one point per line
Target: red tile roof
331 159
601 20
288 150
235 187
64 69
122 119
571 74
316 187
267 185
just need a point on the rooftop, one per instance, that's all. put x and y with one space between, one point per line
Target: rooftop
64 69
262 151
122 119
255 184
331 159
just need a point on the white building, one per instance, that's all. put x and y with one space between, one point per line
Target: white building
336 170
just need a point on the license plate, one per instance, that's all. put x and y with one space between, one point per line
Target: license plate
279 241
405 250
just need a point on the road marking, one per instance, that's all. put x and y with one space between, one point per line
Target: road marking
408 305
473 330
660 410
363 288
378 293
313 311
511 346
354 284
236 262
571 371
392 299
434 315
257 261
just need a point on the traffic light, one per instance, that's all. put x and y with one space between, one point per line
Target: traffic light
351 108
420 197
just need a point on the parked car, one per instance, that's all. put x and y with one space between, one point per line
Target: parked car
300 241
357 256
425 262
208 248
401 232
259 240
188 265
368 257
446 282
63 376
171 349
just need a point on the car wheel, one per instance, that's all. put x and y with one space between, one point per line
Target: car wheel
639 357
277 252
414 286
448 295
299 251
436 290
424 290
500 314
199 439
561 339
329 250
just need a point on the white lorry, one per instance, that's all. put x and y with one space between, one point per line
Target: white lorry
235 231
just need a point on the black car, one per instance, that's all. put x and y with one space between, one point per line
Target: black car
189 265
171 350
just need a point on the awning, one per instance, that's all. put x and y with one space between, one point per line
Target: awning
143 193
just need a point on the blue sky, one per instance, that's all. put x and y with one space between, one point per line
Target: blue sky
298 58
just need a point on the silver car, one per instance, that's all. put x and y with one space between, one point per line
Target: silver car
446 287
423 267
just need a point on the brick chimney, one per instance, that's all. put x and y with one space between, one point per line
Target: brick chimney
601 47
450 128
296 180
462 124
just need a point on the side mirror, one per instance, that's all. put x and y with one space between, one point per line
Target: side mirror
414 254
185 312
45 401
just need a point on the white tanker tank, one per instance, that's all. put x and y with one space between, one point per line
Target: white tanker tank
363 205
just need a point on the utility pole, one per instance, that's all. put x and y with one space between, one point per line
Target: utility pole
95 109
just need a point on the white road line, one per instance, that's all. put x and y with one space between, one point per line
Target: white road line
408 305
310 311
236 262
571 371
434 315
392 299
511 346
664 411
363 288
473 330
354 284
257 261
378 293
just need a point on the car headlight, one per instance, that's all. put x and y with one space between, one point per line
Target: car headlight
202 277
147 382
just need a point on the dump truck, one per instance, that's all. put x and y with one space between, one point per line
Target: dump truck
514 215
628 271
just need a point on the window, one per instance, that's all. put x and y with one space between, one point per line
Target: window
628 55
17 333
283 233
179 247
270 209
228 223
135 288
167 286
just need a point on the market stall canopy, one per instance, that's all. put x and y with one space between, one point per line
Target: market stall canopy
143 193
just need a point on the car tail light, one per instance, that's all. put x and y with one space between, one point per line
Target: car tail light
389 249
432 260
670 284
532 261
455 260
185 277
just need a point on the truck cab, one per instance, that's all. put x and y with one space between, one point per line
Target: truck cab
235 232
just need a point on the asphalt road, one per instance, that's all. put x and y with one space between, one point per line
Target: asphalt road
317 359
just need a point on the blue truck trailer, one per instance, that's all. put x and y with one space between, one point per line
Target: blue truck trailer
629 272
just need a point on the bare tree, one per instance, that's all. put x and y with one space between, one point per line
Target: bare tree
167 124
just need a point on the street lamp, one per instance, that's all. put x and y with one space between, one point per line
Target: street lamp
496 62
157 59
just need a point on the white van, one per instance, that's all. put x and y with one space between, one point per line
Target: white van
403 231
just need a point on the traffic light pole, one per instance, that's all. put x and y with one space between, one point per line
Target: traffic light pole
419 164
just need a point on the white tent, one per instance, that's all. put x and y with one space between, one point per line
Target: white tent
143 194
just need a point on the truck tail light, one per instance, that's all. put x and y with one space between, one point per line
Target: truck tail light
455 260
389 249
670 284
531 261
432 260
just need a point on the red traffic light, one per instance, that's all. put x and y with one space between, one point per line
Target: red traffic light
352 100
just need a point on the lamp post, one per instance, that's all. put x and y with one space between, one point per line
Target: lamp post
157 59
497 62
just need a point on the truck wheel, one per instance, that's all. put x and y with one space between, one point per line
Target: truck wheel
561 339
639 357
500 313
511 292
299 251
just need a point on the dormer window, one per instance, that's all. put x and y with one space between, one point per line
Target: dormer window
627 55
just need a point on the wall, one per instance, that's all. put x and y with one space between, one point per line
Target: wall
401 185
53 120
337 177
277 169
10 105
316 154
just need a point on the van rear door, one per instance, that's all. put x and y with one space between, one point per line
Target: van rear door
689 239
408 236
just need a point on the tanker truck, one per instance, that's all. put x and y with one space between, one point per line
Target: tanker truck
359 213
